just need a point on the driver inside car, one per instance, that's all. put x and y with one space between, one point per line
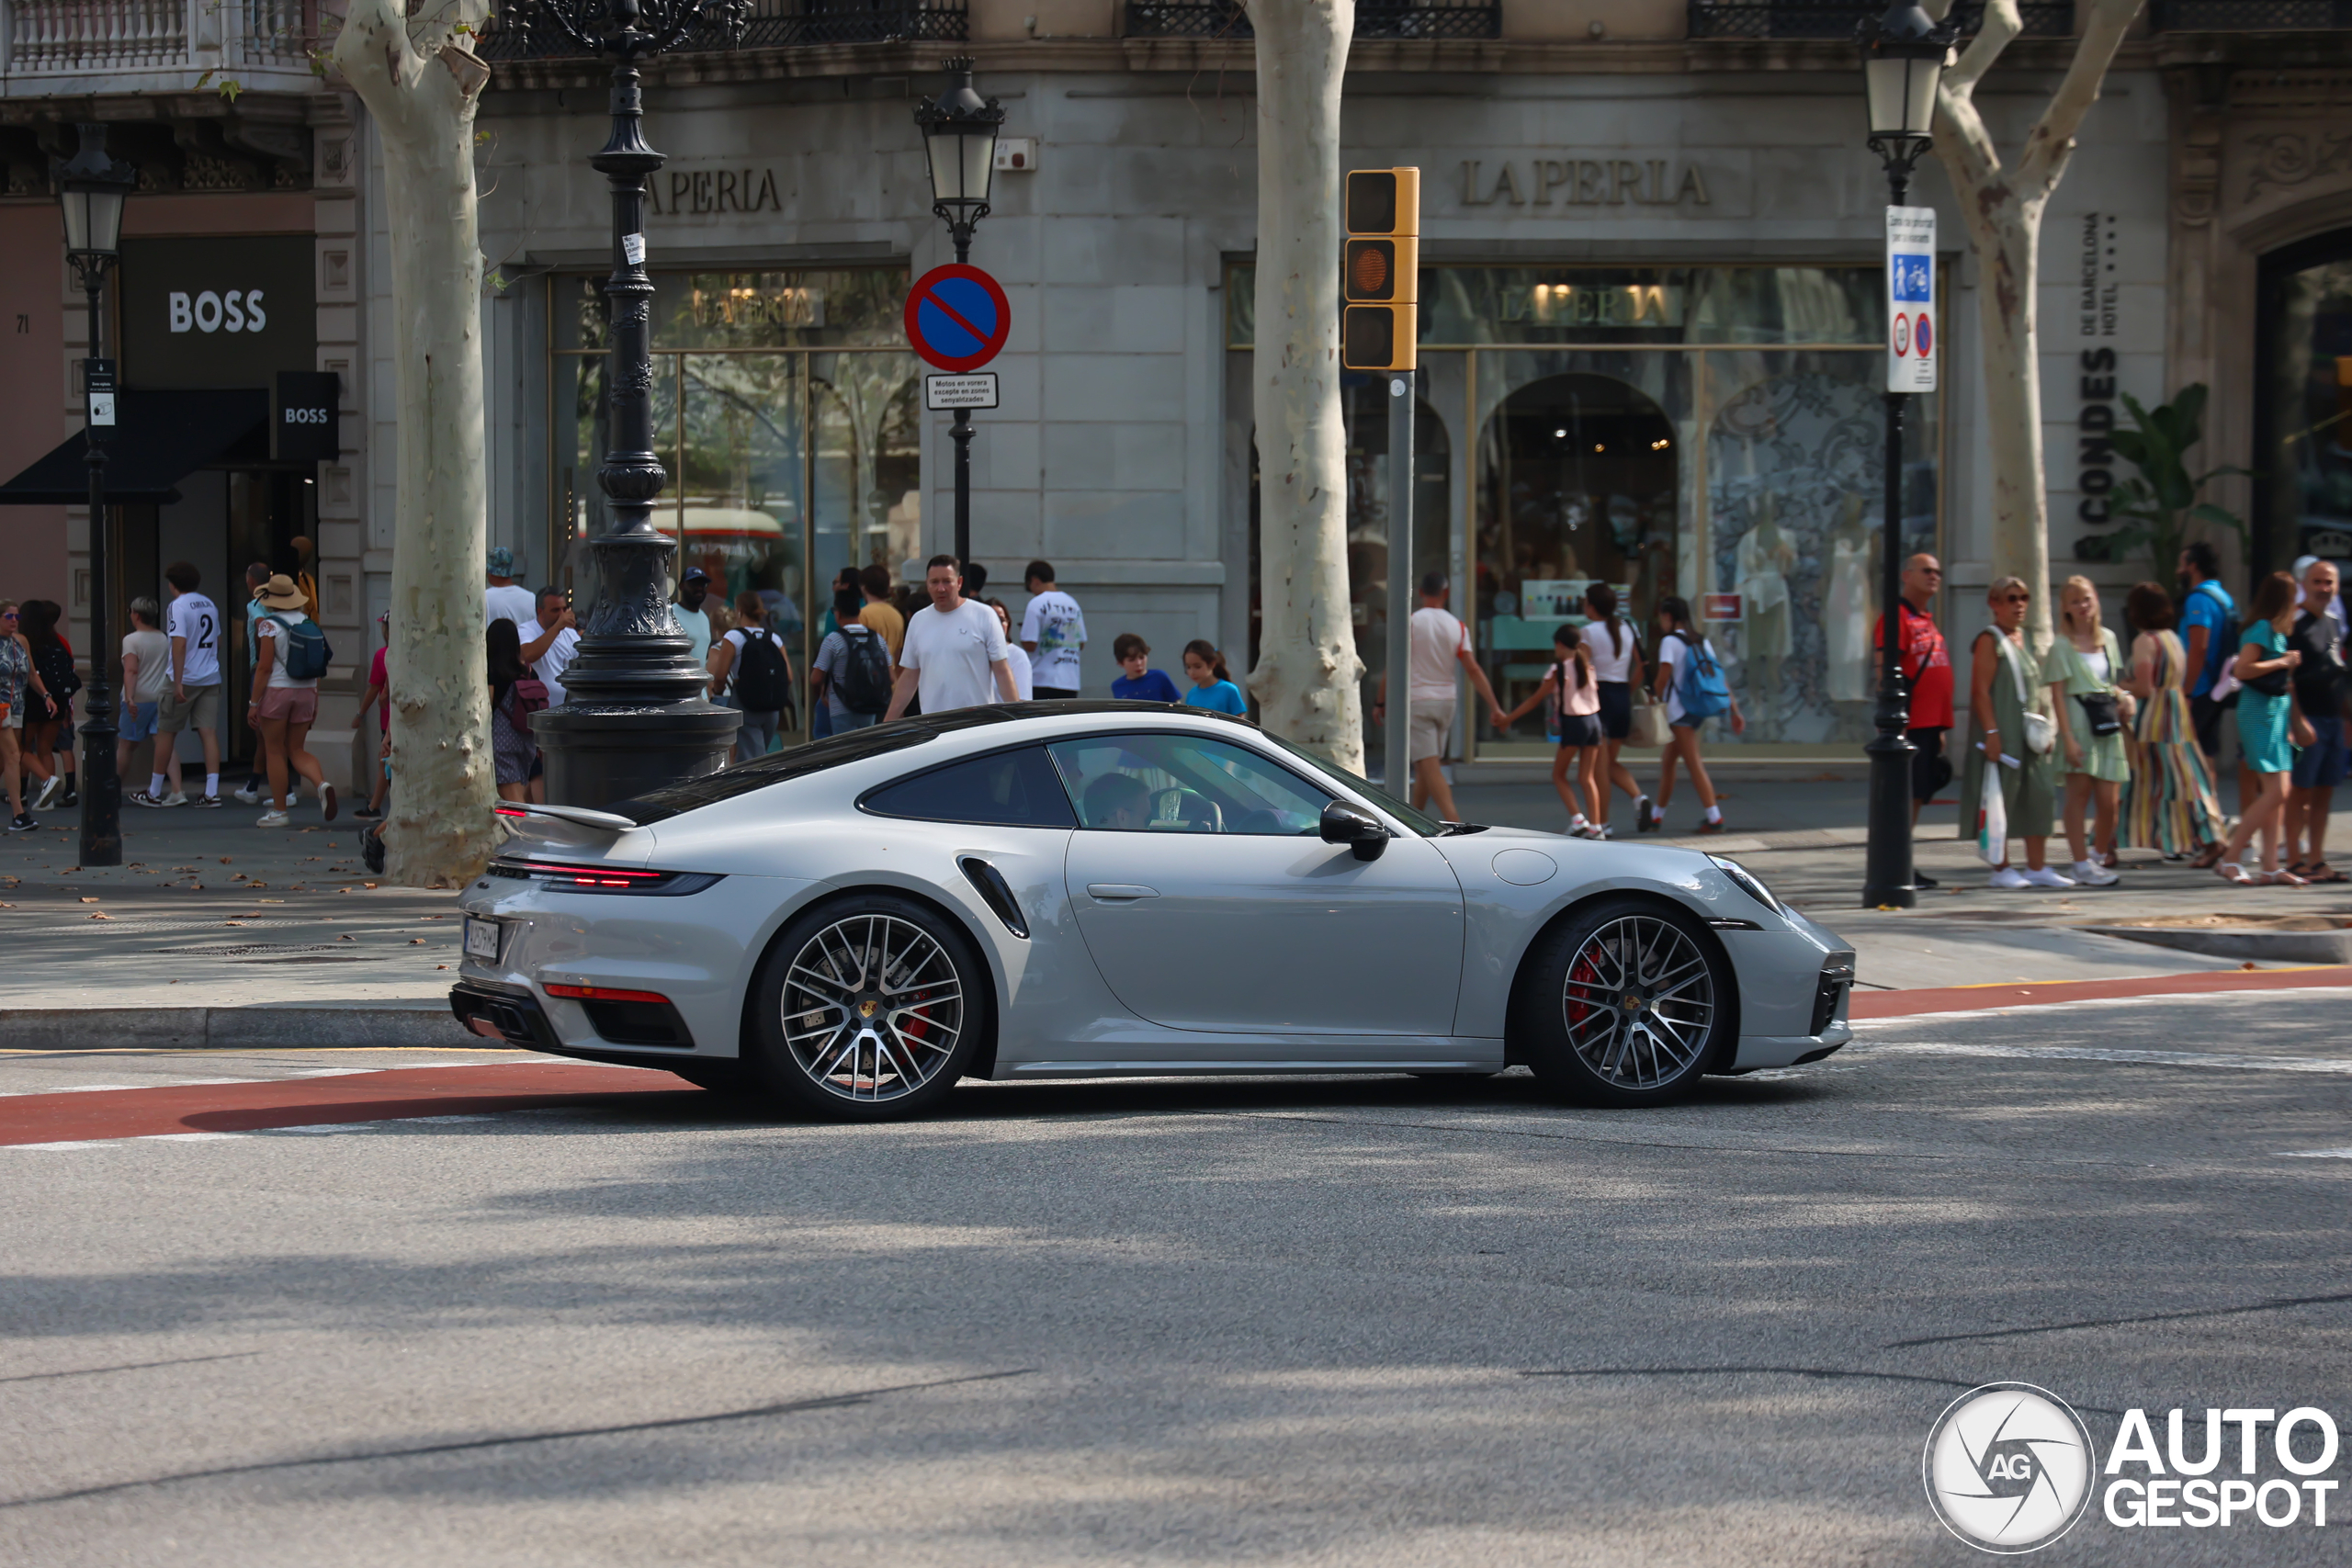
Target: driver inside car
1119 802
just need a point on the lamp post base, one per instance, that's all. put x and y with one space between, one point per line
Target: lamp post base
598 755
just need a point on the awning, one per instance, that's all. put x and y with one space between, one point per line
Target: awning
159 439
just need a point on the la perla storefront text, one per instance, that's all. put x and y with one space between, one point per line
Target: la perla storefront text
1714 434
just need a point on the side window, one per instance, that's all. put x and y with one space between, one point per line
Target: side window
1014 789
1182 783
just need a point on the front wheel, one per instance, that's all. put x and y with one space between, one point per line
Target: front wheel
868 1008
1623 1005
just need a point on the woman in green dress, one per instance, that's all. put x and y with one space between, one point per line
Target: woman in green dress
2006 683
2085 670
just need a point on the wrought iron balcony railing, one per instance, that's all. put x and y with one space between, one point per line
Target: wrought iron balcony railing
1835 19
2252 15
1374 18
779 24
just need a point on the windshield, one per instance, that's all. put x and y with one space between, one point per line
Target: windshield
1428 827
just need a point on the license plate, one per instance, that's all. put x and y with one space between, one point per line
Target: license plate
482 938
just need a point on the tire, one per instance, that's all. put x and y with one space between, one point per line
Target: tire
868 1008
1624 1004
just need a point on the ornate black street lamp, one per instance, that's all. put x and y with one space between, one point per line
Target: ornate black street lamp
91 187
959 131
1904 56
633 716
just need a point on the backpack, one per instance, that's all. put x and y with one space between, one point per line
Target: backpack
763 684
307 654
1699 686
864 682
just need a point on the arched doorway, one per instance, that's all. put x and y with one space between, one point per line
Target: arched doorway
1579 483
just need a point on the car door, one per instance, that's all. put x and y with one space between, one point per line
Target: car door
1209 902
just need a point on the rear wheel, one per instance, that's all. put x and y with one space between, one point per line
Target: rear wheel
1623 1005
868 1008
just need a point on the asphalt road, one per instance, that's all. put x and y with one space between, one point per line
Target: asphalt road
1296 1322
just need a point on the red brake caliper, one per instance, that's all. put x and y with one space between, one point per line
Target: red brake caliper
1582 979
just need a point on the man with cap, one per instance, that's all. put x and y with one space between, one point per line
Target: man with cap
504 599
691 617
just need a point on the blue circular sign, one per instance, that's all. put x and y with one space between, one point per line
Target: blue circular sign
957 317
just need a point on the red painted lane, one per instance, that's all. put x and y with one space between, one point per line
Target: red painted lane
1976 998
311 1102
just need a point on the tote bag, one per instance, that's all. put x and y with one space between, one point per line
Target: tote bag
1648 727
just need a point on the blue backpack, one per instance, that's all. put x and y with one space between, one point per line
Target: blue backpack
1699 684
306 652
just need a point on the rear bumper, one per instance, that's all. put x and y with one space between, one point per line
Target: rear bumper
506 1013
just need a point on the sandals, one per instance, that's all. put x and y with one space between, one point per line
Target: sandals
2319 871
2209 857
2230 870
2282 879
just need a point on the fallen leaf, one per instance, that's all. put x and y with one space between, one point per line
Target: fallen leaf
2249 964
100 915
416 942
440 966
224 859
366 885
89 900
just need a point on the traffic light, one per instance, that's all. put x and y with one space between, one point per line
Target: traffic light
1380 270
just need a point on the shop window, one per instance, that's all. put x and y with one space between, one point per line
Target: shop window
2305 406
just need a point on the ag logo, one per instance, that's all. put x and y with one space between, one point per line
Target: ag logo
2008 1467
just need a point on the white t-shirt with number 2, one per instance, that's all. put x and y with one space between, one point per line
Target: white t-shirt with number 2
191 616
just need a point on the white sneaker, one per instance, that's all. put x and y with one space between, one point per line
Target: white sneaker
249 795
273 818
174 798
2090 873
49 793
2048 877
2008 879
326 802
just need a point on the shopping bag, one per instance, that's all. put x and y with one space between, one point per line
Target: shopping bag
1648 727
1992 815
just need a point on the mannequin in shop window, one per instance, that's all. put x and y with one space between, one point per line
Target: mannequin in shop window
1850 609
1766 557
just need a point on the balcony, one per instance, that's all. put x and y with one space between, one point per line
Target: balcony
775 24
1375 19
1835 19
2251 15
127 44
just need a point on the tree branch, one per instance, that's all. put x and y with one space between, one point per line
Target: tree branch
2051 141
2002 26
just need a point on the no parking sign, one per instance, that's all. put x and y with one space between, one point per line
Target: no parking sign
1910 299
957 317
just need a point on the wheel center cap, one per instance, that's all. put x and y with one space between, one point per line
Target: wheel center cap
868 1007
1632 1003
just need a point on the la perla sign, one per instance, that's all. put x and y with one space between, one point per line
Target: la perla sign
235 310
1583 182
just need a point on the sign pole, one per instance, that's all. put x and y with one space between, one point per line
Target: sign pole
957 319
1887 877
1397 732
101 782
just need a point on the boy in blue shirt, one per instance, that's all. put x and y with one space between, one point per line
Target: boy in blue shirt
2209 621
1141 683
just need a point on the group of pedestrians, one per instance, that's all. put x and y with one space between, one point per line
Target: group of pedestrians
2124 746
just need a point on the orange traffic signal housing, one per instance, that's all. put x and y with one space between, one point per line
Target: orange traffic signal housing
1380 271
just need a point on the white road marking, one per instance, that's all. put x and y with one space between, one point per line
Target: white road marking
2335 1065
2316 1153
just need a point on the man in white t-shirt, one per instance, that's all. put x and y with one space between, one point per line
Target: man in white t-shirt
504 599
955 653
1053 629
1440 642
550 642
192 699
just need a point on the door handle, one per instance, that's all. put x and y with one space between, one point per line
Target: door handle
1119 892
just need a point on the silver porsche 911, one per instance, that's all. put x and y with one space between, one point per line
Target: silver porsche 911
1053 890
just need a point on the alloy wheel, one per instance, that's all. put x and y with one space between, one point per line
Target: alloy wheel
872 1007
1639 1002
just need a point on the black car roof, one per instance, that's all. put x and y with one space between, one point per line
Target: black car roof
710 789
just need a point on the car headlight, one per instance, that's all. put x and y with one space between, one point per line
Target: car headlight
1747 882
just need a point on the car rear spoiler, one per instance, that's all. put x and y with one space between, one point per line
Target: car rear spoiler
579 816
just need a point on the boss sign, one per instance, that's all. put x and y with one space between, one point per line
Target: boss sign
239 310
1911 299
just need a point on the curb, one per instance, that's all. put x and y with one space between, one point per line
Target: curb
2274 947
394 1025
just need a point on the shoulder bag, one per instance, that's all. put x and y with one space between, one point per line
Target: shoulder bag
2040 729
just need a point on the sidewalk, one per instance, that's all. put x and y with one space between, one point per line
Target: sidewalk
219 934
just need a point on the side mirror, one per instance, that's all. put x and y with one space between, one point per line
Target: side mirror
1356 827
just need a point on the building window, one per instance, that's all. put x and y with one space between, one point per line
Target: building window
2303 462
1710 433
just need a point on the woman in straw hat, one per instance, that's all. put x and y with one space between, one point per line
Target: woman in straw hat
284 706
